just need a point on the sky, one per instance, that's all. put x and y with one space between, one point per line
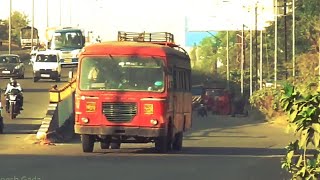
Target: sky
107 17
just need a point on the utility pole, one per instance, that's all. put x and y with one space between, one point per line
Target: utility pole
228 73
10 26
70 9
251 61
285 35
293 40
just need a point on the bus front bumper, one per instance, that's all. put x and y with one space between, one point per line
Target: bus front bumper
120 130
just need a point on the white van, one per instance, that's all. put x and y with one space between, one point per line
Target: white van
47 66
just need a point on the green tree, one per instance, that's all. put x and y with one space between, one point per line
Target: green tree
18 20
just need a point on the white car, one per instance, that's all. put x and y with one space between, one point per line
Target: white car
47 65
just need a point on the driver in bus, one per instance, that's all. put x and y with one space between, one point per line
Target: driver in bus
157 86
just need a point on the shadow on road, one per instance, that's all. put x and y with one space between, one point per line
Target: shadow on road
36 90
218 151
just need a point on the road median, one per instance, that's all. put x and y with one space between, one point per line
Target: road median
58 123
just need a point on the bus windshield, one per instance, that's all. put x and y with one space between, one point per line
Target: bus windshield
26 33
124 73
69 40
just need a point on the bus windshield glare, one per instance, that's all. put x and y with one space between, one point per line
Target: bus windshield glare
122 73
68 40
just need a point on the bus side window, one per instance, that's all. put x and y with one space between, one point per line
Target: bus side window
174 75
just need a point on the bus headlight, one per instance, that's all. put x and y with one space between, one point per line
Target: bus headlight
85 120
154 122
91 107
148 108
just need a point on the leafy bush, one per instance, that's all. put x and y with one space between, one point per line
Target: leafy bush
303 112
266 101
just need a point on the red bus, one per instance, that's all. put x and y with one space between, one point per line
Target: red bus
134 90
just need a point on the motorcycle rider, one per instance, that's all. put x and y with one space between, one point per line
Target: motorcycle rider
13 84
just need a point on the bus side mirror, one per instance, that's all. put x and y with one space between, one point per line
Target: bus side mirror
48 45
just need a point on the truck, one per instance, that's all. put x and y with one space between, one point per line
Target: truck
25 37
68 41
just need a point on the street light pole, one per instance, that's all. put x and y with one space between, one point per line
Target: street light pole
32 26
256 44
60 13
47 13
10 26
261 48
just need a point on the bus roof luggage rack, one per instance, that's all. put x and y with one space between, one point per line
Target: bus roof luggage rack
162 38
156 37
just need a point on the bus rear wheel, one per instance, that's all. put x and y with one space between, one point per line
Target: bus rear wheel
87 142
104 145
115 145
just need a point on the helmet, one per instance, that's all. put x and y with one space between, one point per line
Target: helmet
13 82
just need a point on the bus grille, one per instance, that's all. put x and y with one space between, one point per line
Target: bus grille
119 112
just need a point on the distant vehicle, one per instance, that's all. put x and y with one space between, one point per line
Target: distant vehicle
68 42
47 66
11 66
136 90
25 37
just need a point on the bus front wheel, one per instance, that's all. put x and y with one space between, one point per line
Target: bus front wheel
87 142
164 143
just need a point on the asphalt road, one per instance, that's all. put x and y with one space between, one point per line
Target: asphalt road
36 99
218 147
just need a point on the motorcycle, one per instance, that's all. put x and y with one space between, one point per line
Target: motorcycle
202 110
14 106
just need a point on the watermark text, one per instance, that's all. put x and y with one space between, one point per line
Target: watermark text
21 178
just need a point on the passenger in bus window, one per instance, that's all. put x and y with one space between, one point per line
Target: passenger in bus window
93 74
